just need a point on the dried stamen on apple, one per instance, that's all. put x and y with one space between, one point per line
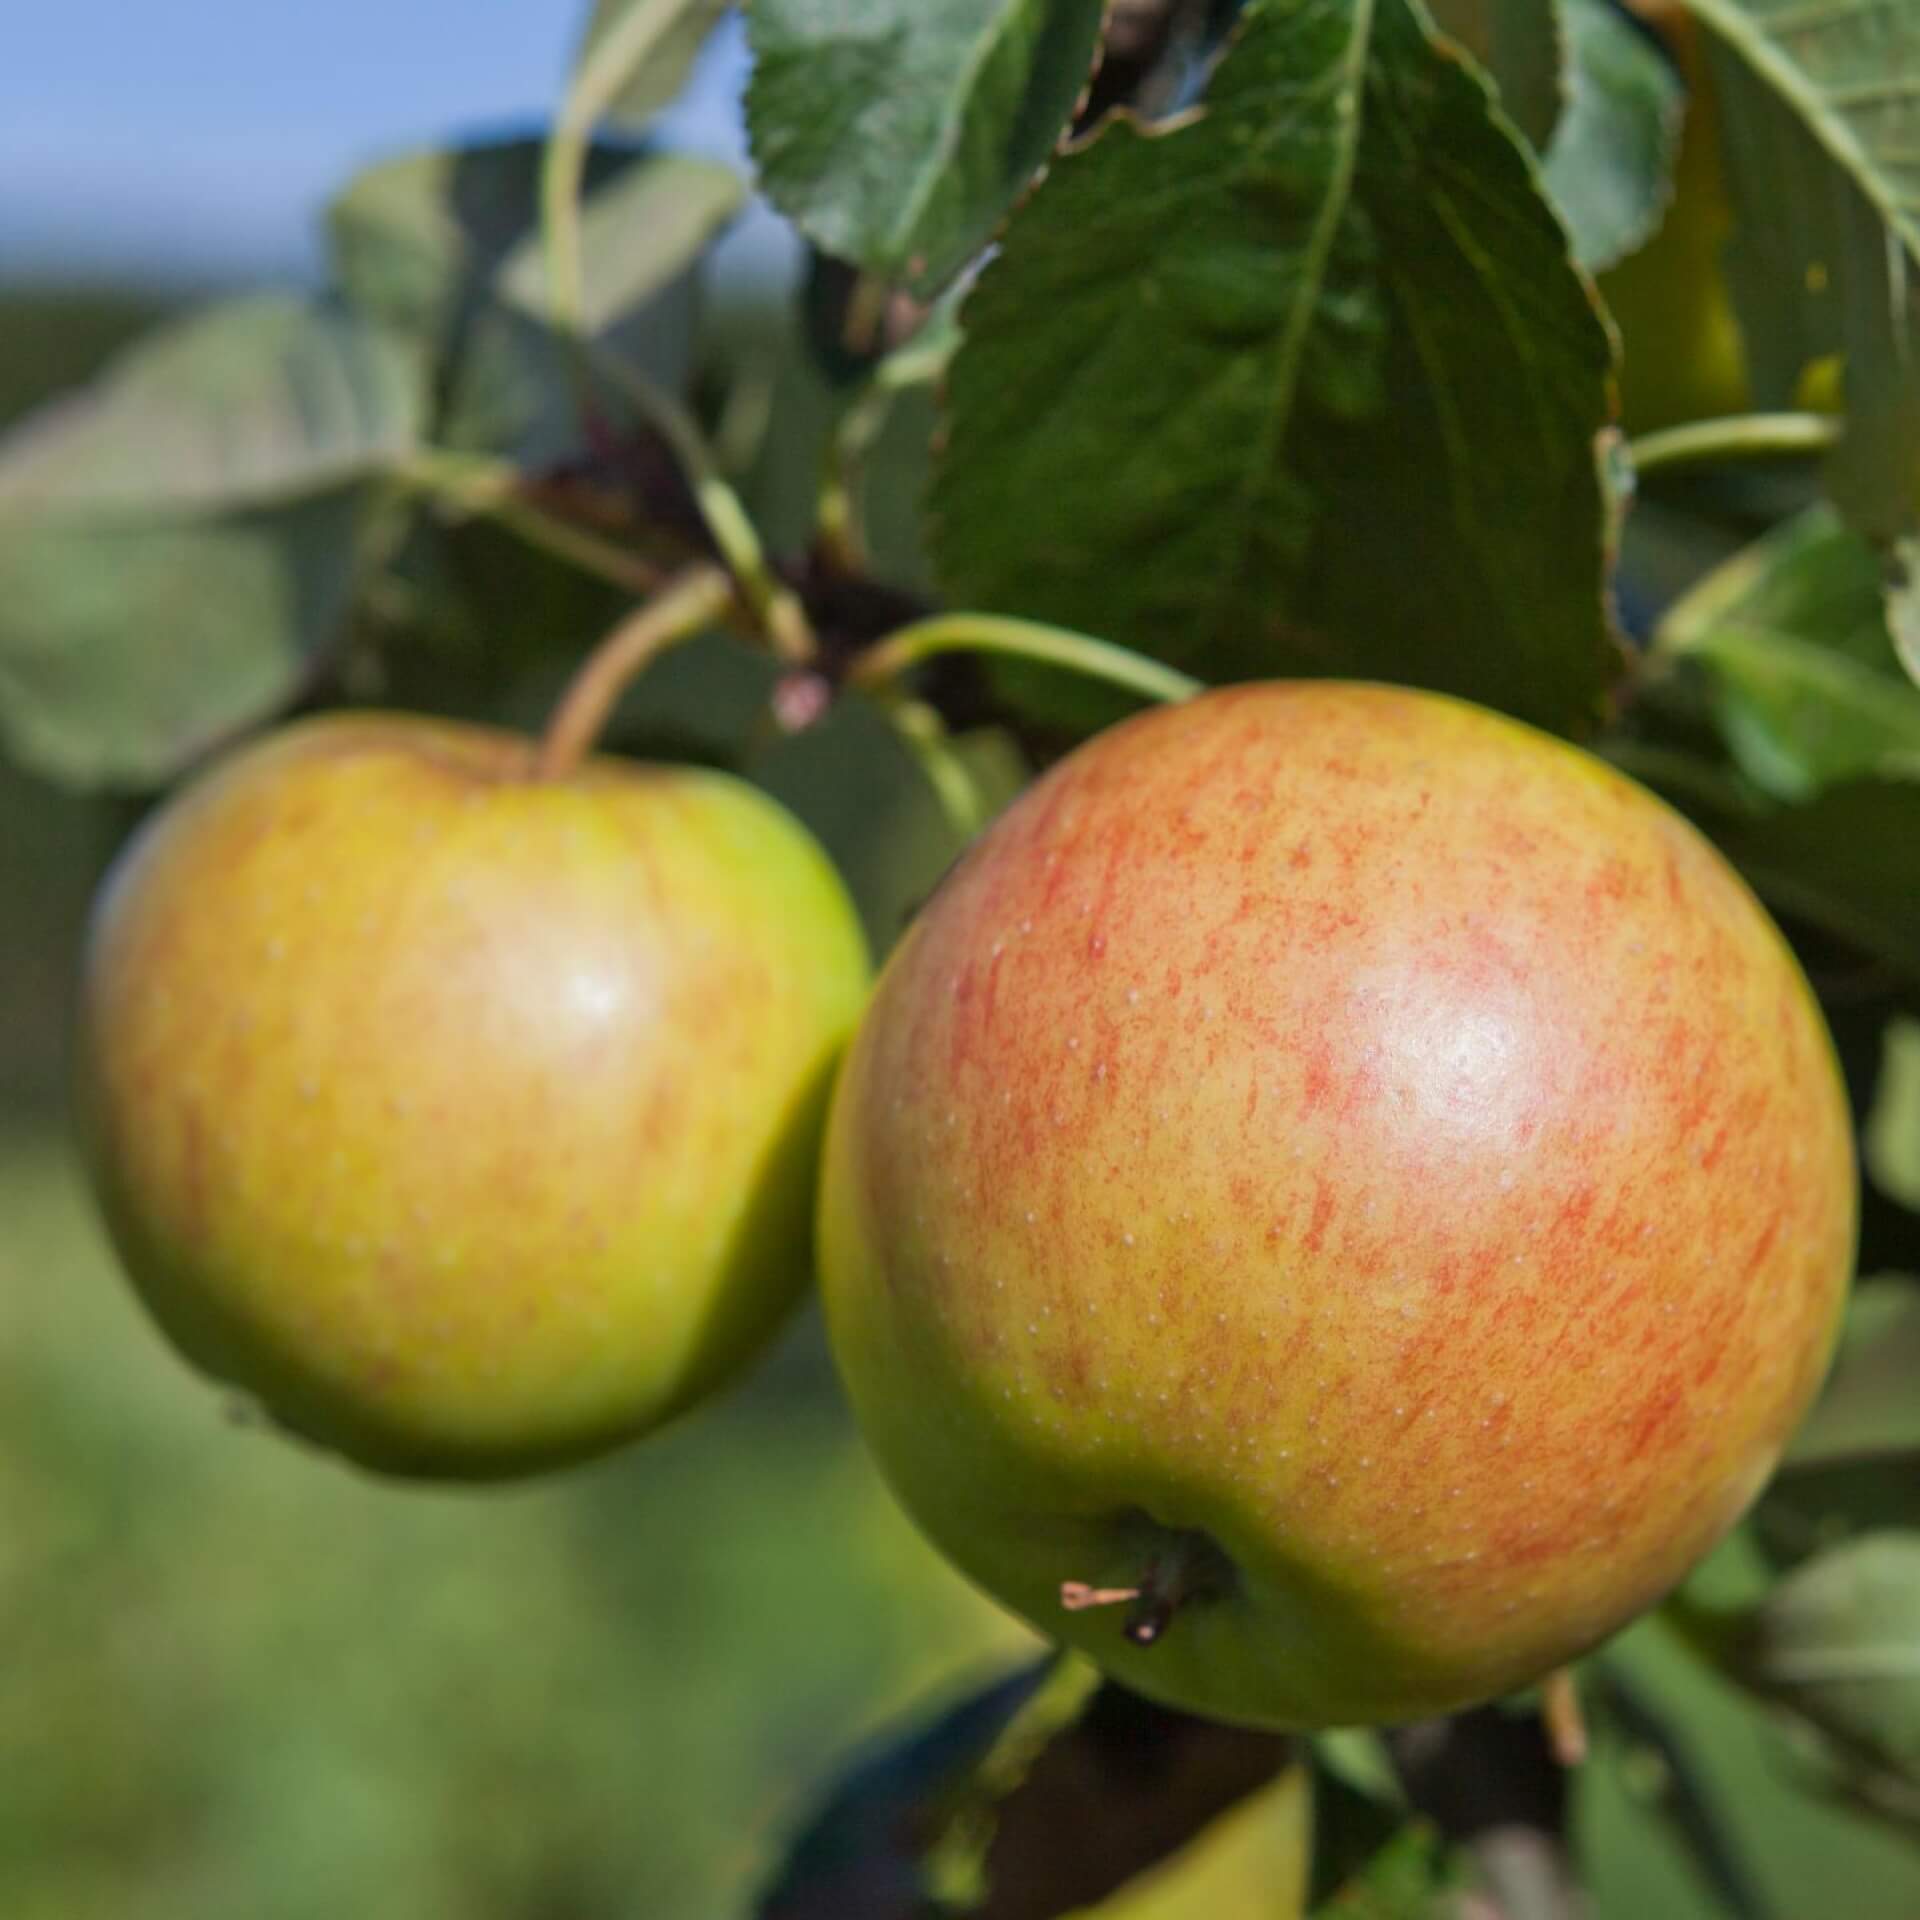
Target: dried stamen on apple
1184 1566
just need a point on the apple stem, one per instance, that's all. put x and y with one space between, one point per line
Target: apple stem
688 603
1566 1724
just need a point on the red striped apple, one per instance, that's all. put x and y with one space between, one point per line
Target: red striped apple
1354 1181
467 1117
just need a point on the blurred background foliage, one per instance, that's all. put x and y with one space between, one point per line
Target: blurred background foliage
247 1684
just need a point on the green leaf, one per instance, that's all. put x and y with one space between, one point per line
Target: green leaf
639 232
179 542
1032 1800
1838 1641
651 77
1790 1848
1903 605
1792 640
1372 1860
1800 718
1610 166
865 1842
1869 1407
1811 578
1635 1741
1847 860
1854 1467
1821 107
445 244
1891 1140
1520 43
1789 640
896 132
1305 383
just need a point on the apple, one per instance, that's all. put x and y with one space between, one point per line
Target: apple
467 1118
1354 1181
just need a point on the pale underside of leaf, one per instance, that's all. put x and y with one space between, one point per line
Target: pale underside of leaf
179 543
1822 113
1610 164
657 75
256 401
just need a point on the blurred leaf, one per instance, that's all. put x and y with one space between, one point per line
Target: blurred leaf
1903 605
1629 1727
1871 1404
638 233
1800 718
1846 861
1120 1793
1610 165
445 244
1821 108
653 76
1792 637
1813 1509
178 542
1811 577
1489 1782
1372 1860
1892 1138
1799 1854
863 793
1306 383
1519 42
1051 1794
1250 1863
1838 1641
896 132
862 1852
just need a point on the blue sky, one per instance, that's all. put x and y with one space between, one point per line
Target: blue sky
189 139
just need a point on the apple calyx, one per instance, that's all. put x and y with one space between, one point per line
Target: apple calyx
1188 1567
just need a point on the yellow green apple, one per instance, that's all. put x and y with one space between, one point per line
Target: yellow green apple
1355 1182
466 1117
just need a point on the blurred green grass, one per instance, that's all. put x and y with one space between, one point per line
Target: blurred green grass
245 1682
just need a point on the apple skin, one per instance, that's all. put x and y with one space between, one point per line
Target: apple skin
1344 1142
467 1118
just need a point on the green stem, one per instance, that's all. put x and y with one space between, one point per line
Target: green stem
773 603
881 665
596 87
1751 436
476 485
926 735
